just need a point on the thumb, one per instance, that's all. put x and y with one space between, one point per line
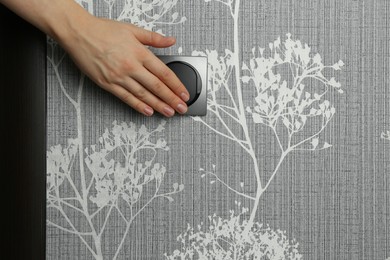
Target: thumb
152 38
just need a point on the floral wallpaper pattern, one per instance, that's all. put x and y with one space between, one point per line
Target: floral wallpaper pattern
116 189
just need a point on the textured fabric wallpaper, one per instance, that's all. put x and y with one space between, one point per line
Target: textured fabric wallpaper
291 162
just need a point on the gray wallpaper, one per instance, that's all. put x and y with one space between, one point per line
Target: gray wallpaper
291 162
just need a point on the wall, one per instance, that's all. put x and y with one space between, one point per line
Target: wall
291 161
23 111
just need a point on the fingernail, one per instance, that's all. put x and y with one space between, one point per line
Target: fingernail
148 111
181 108
184 96
168 111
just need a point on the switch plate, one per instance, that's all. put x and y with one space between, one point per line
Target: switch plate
192 71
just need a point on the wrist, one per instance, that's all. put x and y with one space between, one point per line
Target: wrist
65 21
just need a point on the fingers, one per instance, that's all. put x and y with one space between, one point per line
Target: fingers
168 77
147 97
131 100
152 38
158 88
139 78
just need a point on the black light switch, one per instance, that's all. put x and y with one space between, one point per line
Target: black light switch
189 77
192 72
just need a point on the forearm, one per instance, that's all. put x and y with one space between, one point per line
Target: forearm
57 18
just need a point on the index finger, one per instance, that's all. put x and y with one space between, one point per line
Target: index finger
167 76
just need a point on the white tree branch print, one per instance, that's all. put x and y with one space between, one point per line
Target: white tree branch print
115 182
109 177
226 239
143 13
386 135
282 105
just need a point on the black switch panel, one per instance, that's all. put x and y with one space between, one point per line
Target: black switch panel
192 72
189 77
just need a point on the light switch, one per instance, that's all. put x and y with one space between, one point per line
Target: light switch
192 72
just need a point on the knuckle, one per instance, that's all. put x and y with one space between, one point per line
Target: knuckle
138 106
166 73
156 37
174 100
128 65
158 86
112 76
147 56
102 82
142 51
125 97
141 93
179 88
152 37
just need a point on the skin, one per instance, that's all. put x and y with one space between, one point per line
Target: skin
111 53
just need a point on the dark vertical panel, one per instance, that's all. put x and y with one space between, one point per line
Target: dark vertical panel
23 160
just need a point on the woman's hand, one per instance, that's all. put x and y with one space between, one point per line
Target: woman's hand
111 53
